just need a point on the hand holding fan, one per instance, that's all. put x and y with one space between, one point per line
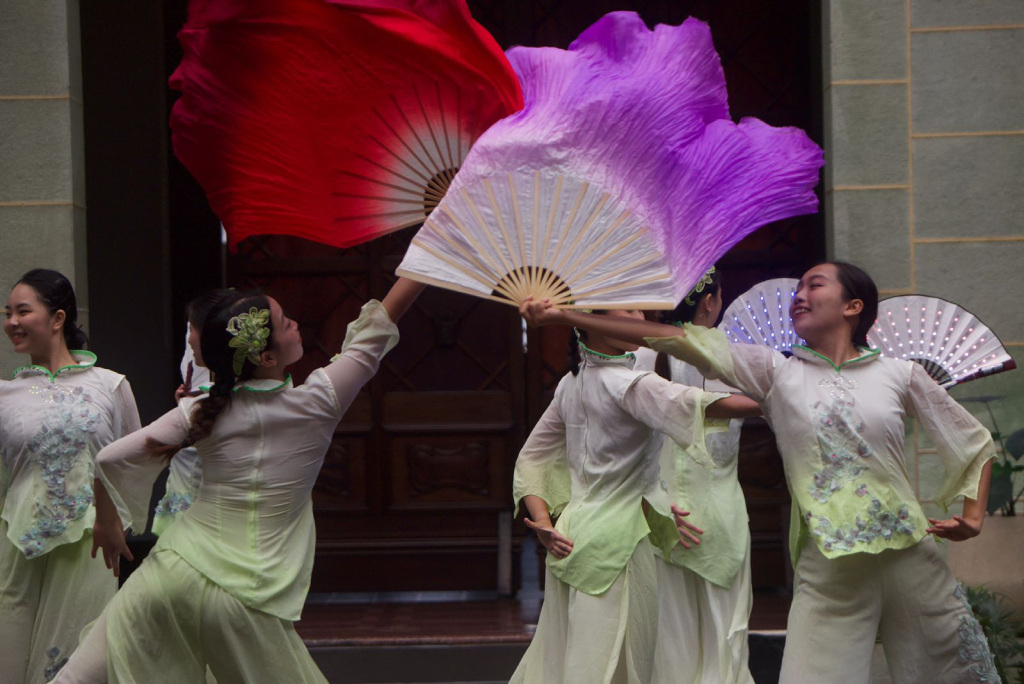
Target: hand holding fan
620 182
330 120
952 344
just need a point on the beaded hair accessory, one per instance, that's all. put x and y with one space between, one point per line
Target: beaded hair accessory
250 333
705 280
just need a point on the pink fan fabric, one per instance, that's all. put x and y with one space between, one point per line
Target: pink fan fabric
296 116
643 114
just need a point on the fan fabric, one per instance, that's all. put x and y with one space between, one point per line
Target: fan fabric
952 344
761 315
329 120
619 183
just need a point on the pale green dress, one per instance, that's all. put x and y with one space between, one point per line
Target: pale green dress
225 582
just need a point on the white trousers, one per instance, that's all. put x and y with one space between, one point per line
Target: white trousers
702 628
606 639
908 597
44 604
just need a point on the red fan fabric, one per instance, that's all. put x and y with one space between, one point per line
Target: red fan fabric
333 121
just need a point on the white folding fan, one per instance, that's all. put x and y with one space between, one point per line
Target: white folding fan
951 343
761 316
619 183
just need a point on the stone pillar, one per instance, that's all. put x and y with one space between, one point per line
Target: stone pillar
924 133
42 178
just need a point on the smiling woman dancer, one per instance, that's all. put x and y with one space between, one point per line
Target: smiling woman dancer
865 559
590 459
226 581
55 415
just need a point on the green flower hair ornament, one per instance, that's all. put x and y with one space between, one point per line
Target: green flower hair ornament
704 281
251 332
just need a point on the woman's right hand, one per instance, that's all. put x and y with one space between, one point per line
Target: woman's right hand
110 537
539 313
557 545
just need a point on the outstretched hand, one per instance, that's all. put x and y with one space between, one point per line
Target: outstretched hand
957 529
557 545
689 534
111 538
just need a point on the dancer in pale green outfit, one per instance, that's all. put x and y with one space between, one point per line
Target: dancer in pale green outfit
704 591
55 415
225 583
589 461
866 561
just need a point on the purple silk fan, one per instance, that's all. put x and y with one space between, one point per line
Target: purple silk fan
620 182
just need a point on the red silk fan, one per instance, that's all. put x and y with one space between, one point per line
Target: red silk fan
330 120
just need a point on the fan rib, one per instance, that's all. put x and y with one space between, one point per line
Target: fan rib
659 277
369 179
583 231
566 228
571 269
444 128
483 224
459 267
424 148
495 269
624 269
408 148
525 265
414 183
445 163
535 235
381 215
513 273
549 276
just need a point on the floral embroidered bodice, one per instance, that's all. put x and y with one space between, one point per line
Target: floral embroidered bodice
840 430
51 427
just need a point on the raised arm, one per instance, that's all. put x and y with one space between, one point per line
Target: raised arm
541 313
368 339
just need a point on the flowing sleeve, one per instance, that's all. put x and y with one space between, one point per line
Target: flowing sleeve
964 445
367 340
747 367
127 416
542 468
670 408
128 469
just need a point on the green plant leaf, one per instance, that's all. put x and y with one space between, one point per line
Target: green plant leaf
1015 444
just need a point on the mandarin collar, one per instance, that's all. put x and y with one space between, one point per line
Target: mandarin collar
85 361
258 385
807 354
590 357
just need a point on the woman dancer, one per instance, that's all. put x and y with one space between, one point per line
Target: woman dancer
589 460
703 591
866 564
55 415
226 581
186 471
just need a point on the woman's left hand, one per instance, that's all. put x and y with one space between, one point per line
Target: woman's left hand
957 529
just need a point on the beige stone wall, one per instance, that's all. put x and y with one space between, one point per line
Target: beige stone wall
924 133
42 178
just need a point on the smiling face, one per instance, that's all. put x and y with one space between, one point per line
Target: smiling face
29 324
286 341
819 306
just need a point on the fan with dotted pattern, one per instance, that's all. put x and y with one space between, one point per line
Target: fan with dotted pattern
761 316
951 343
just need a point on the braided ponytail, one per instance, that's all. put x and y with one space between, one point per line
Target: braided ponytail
219 357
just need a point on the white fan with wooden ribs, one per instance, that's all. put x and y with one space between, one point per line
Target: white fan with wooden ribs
619 183
761 316
952 344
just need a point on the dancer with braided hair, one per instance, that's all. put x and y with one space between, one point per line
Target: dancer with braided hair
225 582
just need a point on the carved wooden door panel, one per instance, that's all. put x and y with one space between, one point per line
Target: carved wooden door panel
417 481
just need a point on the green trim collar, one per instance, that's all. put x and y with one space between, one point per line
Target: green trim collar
258 386
618 357
866 355
86 360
